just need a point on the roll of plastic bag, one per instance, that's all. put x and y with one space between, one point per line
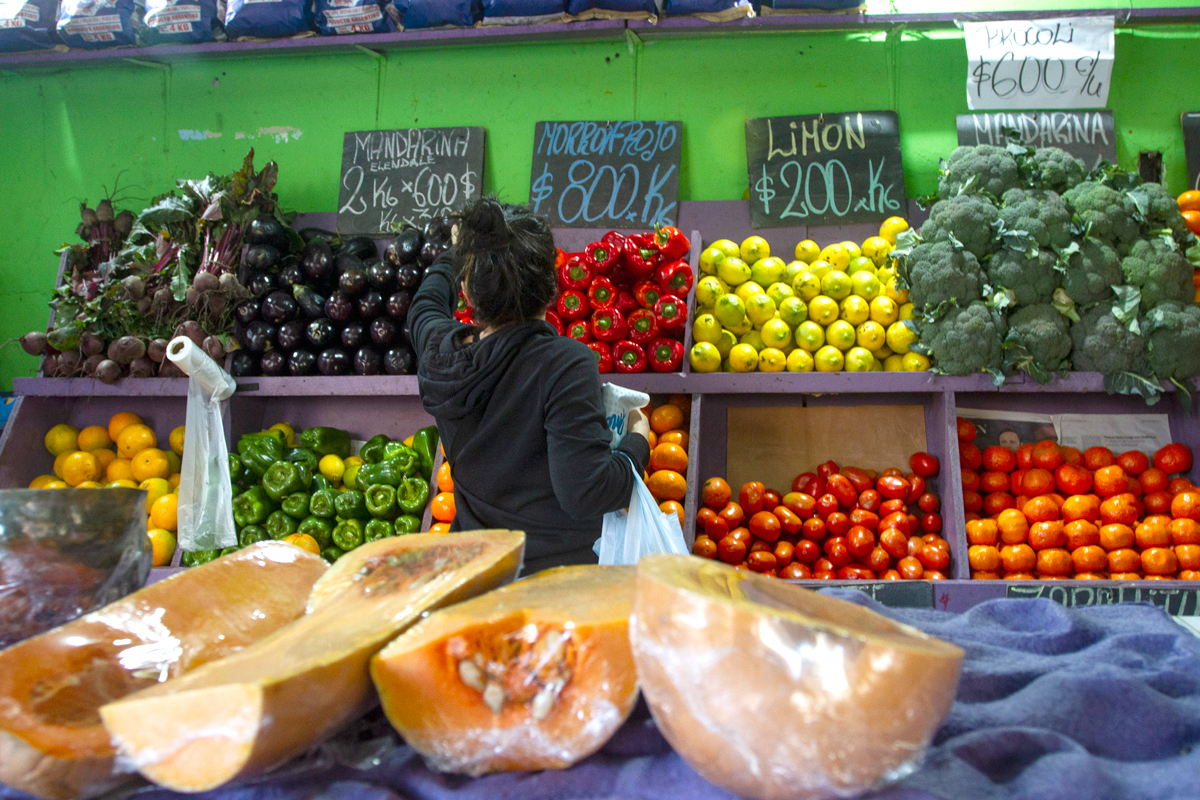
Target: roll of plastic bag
205 493
618 403
643 530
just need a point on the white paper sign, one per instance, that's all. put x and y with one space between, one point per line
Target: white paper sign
1045 63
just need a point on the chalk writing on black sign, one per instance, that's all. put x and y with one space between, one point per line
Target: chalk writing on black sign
606 174
1176 602
824 169
407 176
1087 135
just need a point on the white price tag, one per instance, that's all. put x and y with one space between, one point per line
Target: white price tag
1045 63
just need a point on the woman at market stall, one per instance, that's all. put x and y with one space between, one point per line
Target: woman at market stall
517 406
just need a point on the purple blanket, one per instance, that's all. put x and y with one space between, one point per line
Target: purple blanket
1093 703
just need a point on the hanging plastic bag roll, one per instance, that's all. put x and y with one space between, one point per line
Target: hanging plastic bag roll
205 493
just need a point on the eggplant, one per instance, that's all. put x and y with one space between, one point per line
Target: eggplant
244 363
261 285
367 361
430 252
353 281
273 363
382 276
406 247
259 336
246 311
398 304
334 361
360 246
302 362
312 305
383 331
292 335
313 234
279 307
322 333
438 229
262 257
370 305
339 307
267 230
291 277
354 336
409 276
399 361
317 261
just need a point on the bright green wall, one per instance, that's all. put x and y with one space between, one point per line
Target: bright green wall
68 134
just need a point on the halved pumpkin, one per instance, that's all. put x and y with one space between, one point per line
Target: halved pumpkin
52 743
775 692
536 675
251 711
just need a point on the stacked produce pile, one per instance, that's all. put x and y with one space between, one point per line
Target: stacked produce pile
669 438
840 523
1029 263
1054 512
832 309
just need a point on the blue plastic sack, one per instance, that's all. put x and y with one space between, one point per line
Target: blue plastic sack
523 12
93 24
268 19
27 25
179 21
643 530
353 16
597 8
417 14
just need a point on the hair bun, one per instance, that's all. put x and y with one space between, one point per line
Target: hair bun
486 225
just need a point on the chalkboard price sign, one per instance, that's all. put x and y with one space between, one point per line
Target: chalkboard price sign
824 169
407 176
1090 136
606 174
1191 147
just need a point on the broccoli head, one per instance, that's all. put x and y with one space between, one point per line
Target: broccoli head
1112 215
941 272
1043 215
1174 340
1038 341
1160 209
1057 169
1104 344
967 340
1031 280
969 218
1090 273
984 168
1160 271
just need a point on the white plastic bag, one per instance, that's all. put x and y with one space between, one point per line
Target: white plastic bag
618 403
643 530
205 494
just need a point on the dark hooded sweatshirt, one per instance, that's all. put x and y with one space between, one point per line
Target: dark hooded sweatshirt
535 455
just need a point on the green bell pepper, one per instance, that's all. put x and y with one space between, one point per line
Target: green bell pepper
349 533
252 507
399 451
322 503
260 450
385 472
332 553
407 523
279 525
251 534
372 451
320 483
296 505
319 528
381 501
425 442
326 441
412 494
197 557
233 548
236 469
378 529
284 478
351 505
302 455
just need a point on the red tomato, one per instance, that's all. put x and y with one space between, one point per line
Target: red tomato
893 488
827 469
1095 458
826 505
894 542
801 504
911 569
765 526
970 480
924 464
860 541
996 502
898 520
891 507
994 482
859 478
972 502
704 547
806 551
1154 480
771 500
931 523
1134 462
761 561
837 523
716 528
878 559
788 520
814 529
801 482
969 456
751 497
934 557
784 552
732 513
999 459
891 472
1158 502
759 545
929 503
869 500
966 430
916 487
743 535
840 487
837 552
853 573
796 572
867 519
1047 455
1174 458
731 551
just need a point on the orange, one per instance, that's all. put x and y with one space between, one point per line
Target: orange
94 437
439 527
176 440
1189 200
123 483
59 460
1116 537
1089 558
1018 558
1014 529
671 507
149 463
1047 535
164 512
61 439
681 401
1191 218
1125 560
173 482
652 438
1185 531
669 456
443 506
1054 561
1081 533
1159 561
1081 506
162 543
104 457
154 488
666 418
119 469
88 485
444 482
41 480
983 532
675 437
1154 531
1040 509
119 422
79 467
666 484
135 438
1188 555
983 557
304 542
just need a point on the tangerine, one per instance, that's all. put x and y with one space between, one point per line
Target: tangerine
1014 528
1025 456
1018 558
1154 531
680 438
445 483
1081 506
996 502
1154 480
1159 561
669 456
994 481
149 463
983 532
1038 481
1124 560
1054 561
1184 531
1116 537
1188 556
1186 505
1047 455
1081 533
1040 509
162 546
442 506
666 484
672 507
1134 462
1090 558
1047 535
1158 502
984 557
999 459
1110 480
80 466
1095 458
164 513
1073 480
666 418
94 437
120 421
439 527
135 438
1119 508
304 542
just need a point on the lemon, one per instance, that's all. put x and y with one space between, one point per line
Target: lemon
806 286
175 440
62 438
793 269
287 430
730 310
57 484
855 310
892 226
809 336
915 362
891 289
771 360
778 292
742 326
726 343
837 255
733 271
906 311
710 258
861 264
355 461
859 359
882 353
808 251
876 248
709 289
884 311
819 268
767 270
871 335
776 333
793 311
706 328
876 364
754 248
760 308
841 334
799 360
865 284
893 363
829 359
40 481
822 309
900 337
743 358
728 247
752 338
836 284
704 357
332 467
747 289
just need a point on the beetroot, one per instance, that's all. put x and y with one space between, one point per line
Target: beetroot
157 350
126 349
141 367
108 371
192 330
34 343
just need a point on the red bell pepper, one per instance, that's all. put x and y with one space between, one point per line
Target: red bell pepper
643 327
462 311
572 305
555 322
647 293
641 256
628 357
675 278
560 257
602 293
601 256
626 304
466 318
670 313
665 355
612 237
671 242
604 361
608 325
575 274
621 277
580 330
